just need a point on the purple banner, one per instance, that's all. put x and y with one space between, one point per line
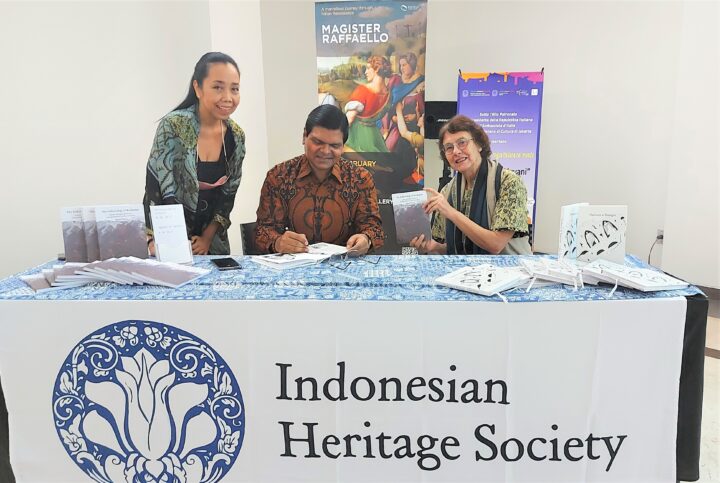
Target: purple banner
508 106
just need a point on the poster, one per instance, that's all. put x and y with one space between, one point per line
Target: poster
508 106
371 64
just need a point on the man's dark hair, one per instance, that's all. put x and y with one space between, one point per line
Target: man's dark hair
329 117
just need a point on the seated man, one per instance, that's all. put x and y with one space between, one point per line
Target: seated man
318 196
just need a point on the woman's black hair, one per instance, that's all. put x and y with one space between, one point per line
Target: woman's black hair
329 117
201 72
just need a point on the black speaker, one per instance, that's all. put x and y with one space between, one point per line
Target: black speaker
437 113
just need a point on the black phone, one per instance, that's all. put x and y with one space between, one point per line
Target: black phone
226 263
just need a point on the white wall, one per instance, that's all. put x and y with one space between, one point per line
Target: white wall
84 84
235 28
692 233
290 73
607 106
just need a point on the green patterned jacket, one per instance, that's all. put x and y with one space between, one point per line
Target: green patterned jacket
172 172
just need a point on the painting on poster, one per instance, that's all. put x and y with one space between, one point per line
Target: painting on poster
371 64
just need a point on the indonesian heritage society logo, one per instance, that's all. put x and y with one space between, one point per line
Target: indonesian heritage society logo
140 401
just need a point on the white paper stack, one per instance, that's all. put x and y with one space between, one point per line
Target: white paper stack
485 279
316 253
643 279
125 271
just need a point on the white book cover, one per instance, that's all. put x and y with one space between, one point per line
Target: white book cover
170 233
113 270
282 261
483 279
551 270
317 252
38 282
73 234
645 279
91 236
597 269
328 249
121 231
568 242
165 274
601 232
410 218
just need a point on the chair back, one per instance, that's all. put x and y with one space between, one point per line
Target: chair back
247 232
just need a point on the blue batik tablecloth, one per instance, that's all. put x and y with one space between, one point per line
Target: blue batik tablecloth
368 278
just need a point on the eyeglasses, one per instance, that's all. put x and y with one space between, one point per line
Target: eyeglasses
450 147
342 262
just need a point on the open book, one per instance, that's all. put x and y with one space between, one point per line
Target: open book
317 252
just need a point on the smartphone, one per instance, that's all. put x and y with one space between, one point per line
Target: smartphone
226 263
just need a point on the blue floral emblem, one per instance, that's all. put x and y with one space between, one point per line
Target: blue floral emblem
140 401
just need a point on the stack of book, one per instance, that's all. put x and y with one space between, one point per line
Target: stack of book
643 279
316 253
93 233
485 279
125 271
556 271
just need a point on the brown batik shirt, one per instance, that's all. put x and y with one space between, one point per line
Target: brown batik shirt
331 211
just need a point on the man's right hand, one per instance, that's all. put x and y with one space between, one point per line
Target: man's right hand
291 242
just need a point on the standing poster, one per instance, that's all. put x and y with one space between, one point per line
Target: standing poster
508 106
371 64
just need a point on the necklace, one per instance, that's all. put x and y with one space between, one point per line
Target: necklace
207 186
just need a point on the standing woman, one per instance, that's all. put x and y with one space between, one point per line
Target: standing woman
197 155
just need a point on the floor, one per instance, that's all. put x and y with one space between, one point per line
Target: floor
710 443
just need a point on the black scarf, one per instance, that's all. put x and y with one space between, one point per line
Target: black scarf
478 212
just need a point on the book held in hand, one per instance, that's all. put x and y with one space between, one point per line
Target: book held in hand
410 218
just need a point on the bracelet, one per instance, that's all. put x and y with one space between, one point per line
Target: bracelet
273 248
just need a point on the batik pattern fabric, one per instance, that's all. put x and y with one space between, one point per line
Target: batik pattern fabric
331 211
171 176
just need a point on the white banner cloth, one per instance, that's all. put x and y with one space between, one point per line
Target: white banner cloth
552 391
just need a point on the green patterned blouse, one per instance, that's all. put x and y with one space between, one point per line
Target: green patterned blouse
510 209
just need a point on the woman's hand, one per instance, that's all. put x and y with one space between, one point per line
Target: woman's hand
437 203
200 245
424 246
